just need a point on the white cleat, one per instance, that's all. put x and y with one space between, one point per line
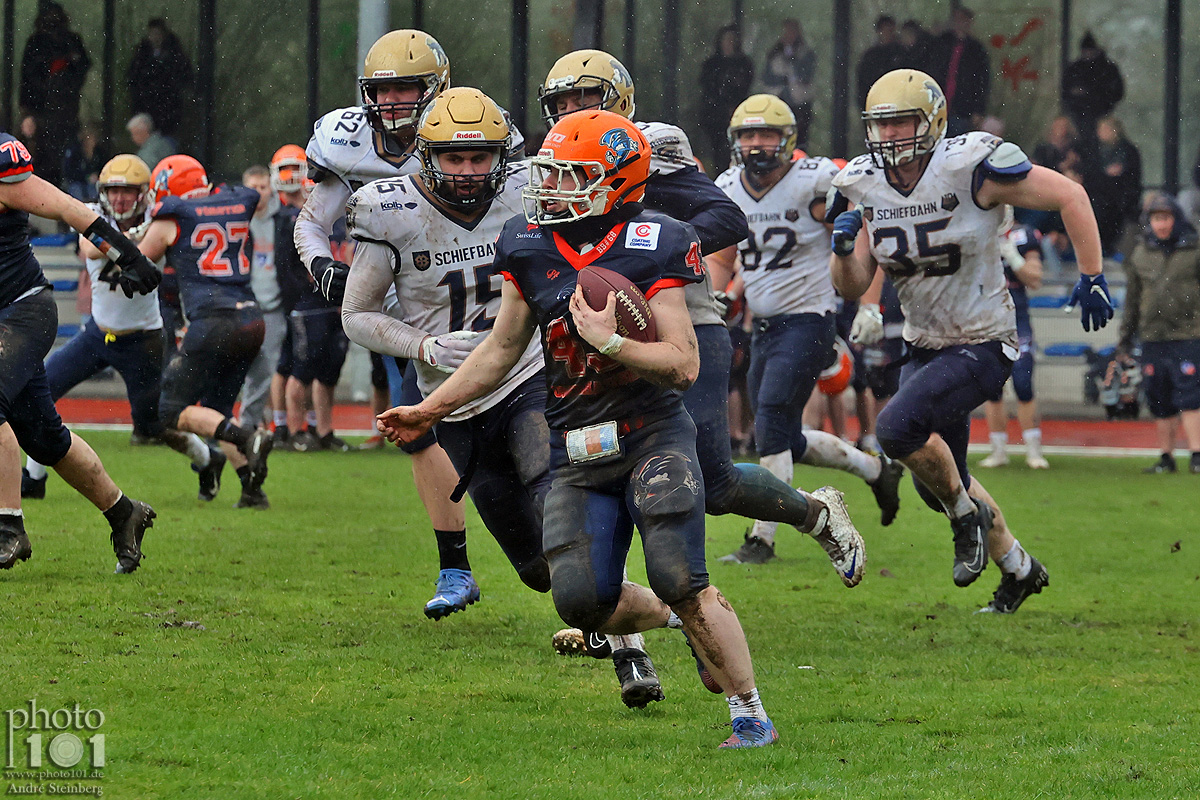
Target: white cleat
839 538
1036 462
996 459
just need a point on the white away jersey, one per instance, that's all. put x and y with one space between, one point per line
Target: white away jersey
940 248
343 143
785 261
441 268
111 309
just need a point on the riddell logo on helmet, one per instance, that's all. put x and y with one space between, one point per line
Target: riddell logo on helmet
384 73
545 152
754 121
472 135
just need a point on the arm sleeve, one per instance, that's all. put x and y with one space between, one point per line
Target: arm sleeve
689 196
325 205
362 309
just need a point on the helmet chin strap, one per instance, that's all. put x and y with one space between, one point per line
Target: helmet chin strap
620 201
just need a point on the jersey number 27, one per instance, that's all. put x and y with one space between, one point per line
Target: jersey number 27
217 238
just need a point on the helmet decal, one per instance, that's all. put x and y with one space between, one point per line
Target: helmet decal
620 146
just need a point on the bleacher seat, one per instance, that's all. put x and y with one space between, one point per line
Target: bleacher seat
65 285
67 331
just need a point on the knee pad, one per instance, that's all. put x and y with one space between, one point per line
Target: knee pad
424 443
1022 378
582 610
665 485
48 446
899 436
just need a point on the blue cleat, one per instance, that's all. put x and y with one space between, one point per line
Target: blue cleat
456 589
751 732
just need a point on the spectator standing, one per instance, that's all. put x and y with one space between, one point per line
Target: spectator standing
53 69
725 78
84 159
1162 308
257 388
790 68
159 75
917 43
880 58
1091 87
1113 178
152 146
1059 150
959 63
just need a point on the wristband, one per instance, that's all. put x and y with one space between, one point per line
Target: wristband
115 246
613 345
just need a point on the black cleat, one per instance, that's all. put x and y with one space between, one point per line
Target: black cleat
1166 463
255 498
886 489
1013 591
281 435
971 543
210 476
1194 464
753 551
639 681
334 443
14 547
127 541
303 442
256 452
32 488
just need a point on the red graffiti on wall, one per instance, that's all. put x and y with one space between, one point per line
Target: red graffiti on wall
1016 69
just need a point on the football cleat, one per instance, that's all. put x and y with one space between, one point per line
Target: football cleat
456 589
971 543
335 443
1166 463
706 677
127 540
303 442
32 488
1037 462
141 439
256 452
839 538
751 732
1013 591
1194 464
14 547
753 551
574 642
886 489
639 681
281 435
253 498
210 476
372 443
997 458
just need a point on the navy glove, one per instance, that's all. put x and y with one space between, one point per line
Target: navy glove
845 232
330 277
1092 298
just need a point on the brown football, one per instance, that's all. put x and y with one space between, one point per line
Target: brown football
634 320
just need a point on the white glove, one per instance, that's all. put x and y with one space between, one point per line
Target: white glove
447 352
867 328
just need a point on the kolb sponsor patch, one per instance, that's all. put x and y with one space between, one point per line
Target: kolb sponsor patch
642 236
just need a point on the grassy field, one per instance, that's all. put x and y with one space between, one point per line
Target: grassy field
283 654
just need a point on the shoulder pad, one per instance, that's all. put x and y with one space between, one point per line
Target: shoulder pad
670 149
728 177
381 211
968 150
15 162
338 141
855 171
516 175
1006 162
169 207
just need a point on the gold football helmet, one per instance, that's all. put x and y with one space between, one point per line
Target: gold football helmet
905 93
463 119
583 71
403 56
763 112
125 170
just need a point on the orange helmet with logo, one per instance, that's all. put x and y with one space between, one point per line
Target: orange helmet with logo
836 377
591 163
179 176
289 168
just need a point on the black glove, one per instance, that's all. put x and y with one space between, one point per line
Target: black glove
136 273
140 276
330 277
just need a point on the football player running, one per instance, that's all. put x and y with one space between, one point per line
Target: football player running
404 70
927 210
28 324
125 333
430 238
623 449
203 236
592 79
785 272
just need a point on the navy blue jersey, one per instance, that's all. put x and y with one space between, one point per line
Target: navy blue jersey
585 387
690 196
19 270
210 255
1026 240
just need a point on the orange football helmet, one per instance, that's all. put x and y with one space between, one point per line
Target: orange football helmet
836 377
591 163
179 176
289 168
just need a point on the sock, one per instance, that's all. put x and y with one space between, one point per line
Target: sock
673 621
310 419
1033 442
827 450
999 442
243 473
198 451
119 511
780 465
630 640
960 506
1016 561
230 431
279 418
746 706
452 549
36 471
